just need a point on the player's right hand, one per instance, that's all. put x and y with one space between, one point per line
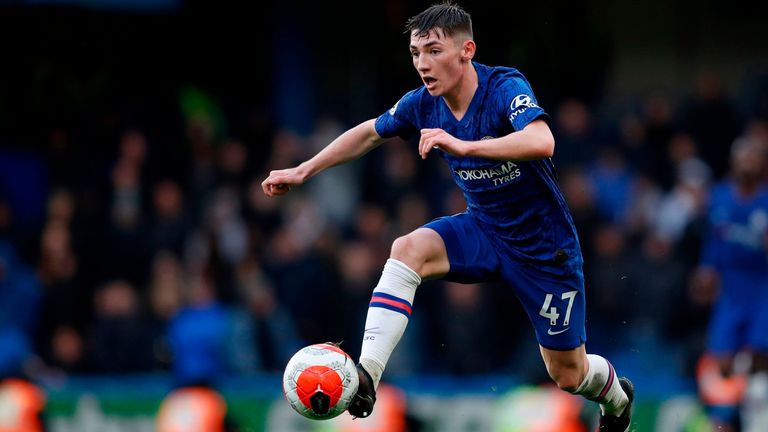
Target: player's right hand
279 182
440 140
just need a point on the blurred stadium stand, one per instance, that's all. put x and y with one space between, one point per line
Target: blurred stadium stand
137 251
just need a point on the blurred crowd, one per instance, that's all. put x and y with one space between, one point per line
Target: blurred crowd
150 256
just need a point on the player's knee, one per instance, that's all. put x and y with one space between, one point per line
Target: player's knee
406 250
569 383
568 379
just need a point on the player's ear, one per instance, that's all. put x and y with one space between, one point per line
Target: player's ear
468 50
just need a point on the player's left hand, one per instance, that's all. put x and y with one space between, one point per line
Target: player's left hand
442 140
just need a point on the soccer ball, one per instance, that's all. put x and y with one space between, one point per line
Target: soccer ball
320 381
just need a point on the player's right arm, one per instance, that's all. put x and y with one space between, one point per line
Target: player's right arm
349 146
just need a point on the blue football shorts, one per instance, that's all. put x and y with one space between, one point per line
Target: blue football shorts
555 304
740 317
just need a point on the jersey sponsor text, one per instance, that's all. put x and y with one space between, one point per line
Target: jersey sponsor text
503 173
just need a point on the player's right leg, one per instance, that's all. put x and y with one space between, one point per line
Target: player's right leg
755 410
414 257
755 406
728 331
451 247
721 389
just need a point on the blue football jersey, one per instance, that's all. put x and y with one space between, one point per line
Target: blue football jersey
739 227
518 202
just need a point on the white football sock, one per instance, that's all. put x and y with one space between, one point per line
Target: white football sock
601 384
755 406
388 315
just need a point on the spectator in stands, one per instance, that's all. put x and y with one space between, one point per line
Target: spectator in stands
118 340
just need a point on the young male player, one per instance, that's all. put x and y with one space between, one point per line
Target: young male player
735 257
517 228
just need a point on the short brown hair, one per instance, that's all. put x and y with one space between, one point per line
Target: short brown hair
448 16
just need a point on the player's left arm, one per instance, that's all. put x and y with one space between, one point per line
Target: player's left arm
533 142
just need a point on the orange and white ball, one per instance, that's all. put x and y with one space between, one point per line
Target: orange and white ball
320 381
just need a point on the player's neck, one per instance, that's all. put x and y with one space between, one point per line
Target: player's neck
746 189
459 98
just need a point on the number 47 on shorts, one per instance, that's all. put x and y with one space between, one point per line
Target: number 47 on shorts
550 312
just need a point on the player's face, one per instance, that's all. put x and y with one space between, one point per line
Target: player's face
748 164
438 60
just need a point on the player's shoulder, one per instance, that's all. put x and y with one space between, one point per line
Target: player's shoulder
419 94
498 75
505 84
416 96
409 108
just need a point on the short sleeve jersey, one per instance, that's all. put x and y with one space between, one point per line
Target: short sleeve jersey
738 235
518 203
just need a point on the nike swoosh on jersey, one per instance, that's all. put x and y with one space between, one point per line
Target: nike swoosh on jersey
552 333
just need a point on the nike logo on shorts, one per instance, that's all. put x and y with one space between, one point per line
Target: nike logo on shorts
552 333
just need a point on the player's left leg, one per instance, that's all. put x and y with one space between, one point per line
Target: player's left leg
556 306
593 377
